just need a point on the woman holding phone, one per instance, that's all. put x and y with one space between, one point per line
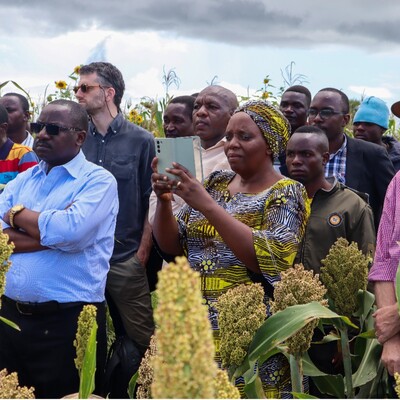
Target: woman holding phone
241 224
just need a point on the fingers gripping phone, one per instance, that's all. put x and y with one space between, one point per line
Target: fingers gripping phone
183 150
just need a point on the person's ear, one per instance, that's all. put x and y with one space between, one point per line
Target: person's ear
110 93
325 158
346 119
80 138
27 116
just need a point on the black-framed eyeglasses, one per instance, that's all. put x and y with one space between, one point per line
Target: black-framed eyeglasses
85 88
51 129
324 113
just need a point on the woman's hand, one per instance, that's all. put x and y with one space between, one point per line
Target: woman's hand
160 183
188 187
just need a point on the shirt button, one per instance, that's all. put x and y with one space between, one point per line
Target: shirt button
102 141
100 160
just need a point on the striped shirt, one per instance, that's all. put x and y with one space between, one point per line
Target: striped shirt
336 166
14 158
387 255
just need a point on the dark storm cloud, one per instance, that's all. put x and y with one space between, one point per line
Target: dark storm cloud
364 23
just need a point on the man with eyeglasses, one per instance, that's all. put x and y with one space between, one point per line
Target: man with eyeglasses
359 165
60 215
126 150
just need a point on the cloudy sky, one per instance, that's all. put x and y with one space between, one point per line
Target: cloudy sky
353 45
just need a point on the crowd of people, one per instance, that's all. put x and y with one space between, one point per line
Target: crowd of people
92 218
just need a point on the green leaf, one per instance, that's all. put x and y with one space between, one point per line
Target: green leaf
244 368
10 323
132 385
284 324
276 350
309 368
4 84
328 338
86 385
303 396
369 364
330 384
253 385
367 335
366 301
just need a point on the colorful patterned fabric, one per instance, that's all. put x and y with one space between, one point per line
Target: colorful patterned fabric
14 158
271 122
277 217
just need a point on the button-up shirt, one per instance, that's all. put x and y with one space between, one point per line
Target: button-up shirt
336 166
387 255
126 151
78 205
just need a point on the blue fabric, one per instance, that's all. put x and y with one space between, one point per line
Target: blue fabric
78 204
374 111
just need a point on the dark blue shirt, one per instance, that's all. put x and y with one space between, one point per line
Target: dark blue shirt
126 151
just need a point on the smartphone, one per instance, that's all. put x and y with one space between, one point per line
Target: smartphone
183 150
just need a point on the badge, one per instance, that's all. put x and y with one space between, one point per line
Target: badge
335 220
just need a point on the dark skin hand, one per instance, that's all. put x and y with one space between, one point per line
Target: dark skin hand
237 236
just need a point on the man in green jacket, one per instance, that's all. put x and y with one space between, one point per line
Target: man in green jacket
336 210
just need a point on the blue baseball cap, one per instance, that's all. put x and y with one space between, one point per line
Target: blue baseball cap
374 111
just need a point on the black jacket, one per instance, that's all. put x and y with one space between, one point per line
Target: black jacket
369 170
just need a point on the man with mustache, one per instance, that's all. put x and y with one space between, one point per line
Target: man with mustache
60 215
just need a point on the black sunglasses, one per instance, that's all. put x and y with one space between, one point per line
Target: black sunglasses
51 129
85 88
324 113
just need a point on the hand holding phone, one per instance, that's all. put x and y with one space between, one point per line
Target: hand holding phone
183 150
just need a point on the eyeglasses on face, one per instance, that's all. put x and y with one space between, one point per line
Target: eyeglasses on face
51 129
84 88
324 113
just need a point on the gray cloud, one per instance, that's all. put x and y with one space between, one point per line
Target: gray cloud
362 23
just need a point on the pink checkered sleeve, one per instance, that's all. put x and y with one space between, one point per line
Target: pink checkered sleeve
387 256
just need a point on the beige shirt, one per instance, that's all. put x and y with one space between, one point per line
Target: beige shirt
213 159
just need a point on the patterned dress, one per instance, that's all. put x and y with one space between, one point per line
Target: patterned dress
277 217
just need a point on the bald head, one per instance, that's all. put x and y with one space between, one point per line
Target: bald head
213 108
224 94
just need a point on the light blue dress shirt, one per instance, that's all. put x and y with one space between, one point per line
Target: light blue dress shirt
78 205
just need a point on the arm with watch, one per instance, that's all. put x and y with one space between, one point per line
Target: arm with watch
24 231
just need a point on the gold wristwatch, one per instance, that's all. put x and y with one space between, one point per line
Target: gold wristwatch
13 212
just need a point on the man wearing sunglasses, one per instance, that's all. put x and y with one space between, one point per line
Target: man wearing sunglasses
60 215
126 150
359 165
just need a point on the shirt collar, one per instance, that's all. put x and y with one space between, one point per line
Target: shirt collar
340 150
114 127
73 167
216 145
